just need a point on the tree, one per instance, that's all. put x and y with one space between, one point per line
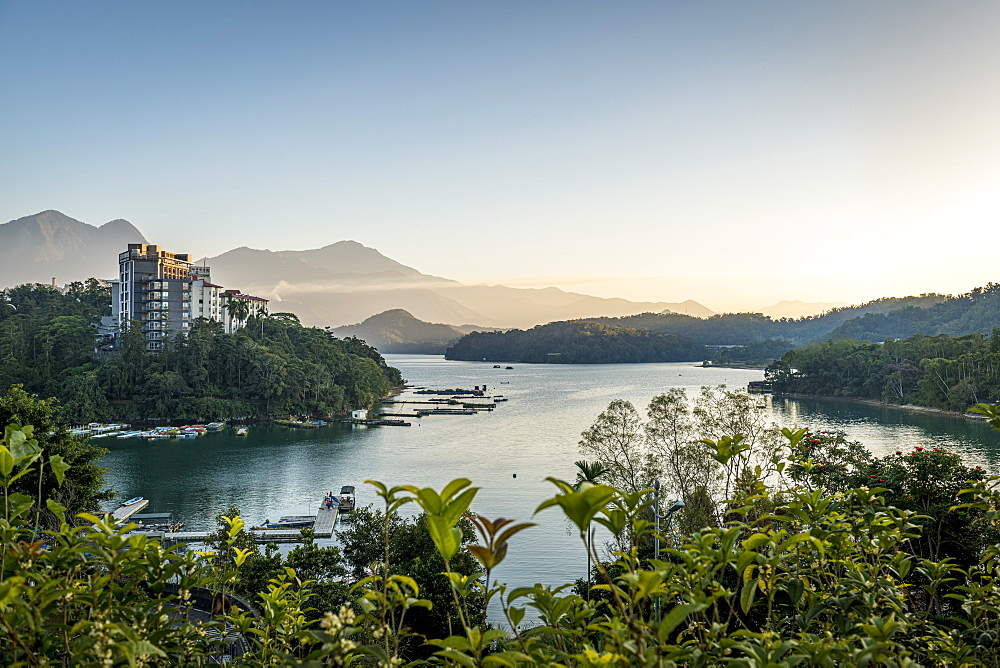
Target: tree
616 441
237 309
85 487
412 553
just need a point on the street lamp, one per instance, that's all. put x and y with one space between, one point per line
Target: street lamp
656 536
665 516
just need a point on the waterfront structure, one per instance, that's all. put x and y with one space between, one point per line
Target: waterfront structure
163 293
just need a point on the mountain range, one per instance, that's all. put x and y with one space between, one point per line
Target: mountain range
346 282
337 285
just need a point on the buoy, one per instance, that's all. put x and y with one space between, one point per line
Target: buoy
515 475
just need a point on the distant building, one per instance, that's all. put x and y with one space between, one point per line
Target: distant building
165 293
206 299
237 307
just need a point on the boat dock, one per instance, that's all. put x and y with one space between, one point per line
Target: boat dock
122 513
322 525
260 535
326 520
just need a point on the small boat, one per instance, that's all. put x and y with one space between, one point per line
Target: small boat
496 366
499 397
215 426
508 367
136 499
242 431
286 524
347 499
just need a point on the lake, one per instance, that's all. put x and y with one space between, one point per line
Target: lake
277 471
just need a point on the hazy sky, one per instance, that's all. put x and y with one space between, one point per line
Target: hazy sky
736 153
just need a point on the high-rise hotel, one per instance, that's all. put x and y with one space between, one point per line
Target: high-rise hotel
165 292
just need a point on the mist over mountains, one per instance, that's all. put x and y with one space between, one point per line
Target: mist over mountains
340 284
347 282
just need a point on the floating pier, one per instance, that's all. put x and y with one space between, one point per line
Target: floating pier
260 535
122 513
326 520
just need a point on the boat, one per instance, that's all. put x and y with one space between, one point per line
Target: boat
215 426
242 431
498 398
136 499
508 367
347 499
287 524
496 366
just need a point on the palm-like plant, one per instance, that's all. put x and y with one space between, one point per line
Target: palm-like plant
238 310
590 472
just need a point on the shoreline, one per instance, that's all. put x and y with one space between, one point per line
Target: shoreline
913 408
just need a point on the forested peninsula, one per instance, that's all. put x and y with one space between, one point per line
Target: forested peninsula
576 342
950 373
273 366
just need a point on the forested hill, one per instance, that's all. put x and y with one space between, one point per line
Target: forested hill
975 311
940 371
271 367
743 328
576 342
396 331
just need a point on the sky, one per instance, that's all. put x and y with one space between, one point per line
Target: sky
734 153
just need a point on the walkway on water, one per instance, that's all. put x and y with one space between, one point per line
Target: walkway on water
122 513
324 524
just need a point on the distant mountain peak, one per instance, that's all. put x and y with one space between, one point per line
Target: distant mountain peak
35 248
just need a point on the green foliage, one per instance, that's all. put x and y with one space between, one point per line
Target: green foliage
752 353
84 487
383 546
684 444
575 342
819 578
934 371
927 482
273 366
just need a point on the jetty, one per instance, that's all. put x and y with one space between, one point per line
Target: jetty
322 524
260 535
122 513
379 422
326 520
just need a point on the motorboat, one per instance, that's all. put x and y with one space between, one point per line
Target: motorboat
347 499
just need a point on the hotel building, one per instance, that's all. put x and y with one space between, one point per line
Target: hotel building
165 292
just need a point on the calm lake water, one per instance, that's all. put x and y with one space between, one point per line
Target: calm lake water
278 471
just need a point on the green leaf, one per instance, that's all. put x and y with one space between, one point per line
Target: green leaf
447 539
21 447
795 588
746 594
6 461
58 509
676 615
516 615
20 504
146 648
59 467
